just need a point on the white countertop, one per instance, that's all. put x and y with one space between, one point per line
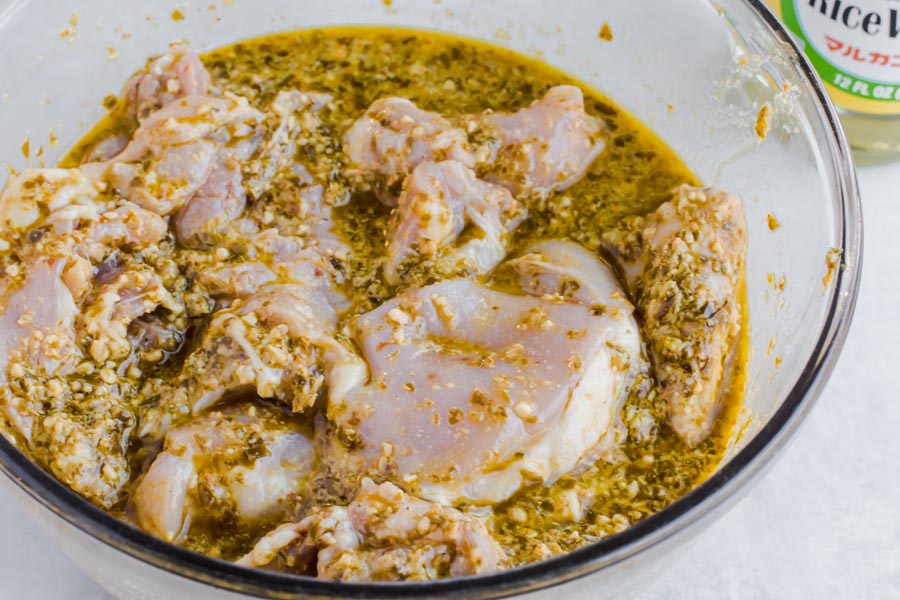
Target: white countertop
824 523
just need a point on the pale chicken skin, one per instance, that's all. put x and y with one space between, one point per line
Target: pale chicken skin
685 264
383 535
371 325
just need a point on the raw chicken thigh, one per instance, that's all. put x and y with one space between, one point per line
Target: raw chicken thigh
545 147
383 535
41 308
243 461
186 147
395 135
176 74
473 391
439 200
34 193
277 341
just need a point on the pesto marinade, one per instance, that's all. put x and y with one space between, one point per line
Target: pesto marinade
371 304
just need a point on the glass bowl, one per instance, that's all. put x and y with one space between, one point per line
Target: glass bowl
697 72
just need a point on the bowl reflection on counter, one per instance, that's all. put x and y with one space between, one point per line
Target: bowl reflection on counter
696 72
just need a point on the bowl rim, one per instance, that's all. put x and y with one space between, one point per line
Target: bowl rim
713 492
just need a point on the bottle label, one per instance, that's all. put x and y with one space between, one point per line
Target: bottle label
855 47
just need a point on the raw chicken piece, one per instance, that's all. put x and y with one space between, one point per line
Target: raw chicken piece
85 449
473 392
128 226
299 203
194 118
246 461
684 264
308 306
223 197
238 354
38 321
220 200
166 78
58 212
176 150
87 235
265 258
293 113
236 280
315 207
284 250
165 183
383 535
302 308
394 135
567 270
107 148
437 202
540 149
278 341
311 317
34 193
120 297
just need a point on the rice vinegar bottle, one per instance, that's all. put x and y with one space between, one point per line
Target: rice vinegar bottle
855 47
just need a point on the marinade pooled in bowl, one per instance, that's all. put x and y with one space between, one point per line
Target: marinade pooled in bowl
391 282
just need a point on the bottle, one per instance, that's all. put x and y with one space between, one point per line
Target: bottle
855 47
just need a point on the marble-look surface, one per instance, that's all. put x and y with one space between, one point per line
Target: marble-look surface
823 524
